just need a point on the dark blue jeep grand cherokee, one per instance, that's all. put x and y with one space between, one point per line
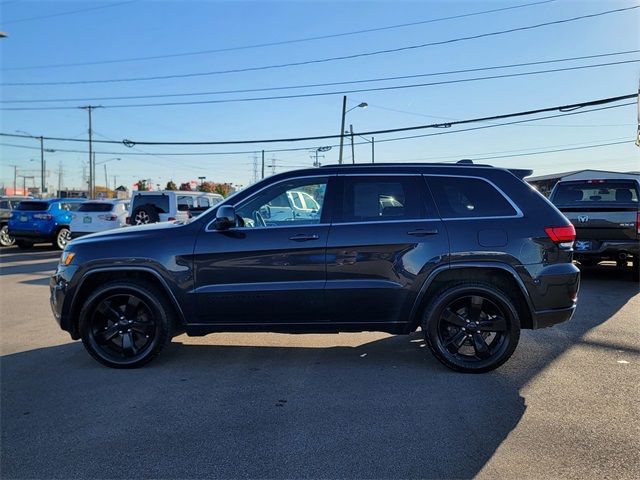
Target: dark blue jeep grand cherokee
468 253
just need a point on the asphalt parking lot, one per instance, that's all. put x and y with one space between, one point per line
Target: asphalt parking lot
363 405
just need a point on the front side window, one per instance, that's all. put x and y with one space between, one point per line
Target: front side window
467 197
281 205
381 199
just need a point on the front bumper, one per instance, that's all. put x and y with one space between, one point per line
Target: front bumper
59 286
548 318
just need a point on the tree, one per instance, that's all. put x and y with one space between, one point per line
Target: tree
185 187
171 185
209 187
223 189
142 186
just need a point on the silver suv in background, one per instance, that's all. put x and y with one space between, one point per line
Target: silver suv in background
7 204
170 205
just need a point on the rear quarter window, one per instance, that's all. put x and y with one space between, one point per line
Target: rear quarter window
467 197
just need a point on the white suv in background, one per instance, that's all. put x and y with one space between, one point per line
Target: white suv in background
170 205
97 216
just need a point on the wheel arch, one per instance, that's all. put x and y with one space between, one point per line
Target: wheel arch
499 274
98 276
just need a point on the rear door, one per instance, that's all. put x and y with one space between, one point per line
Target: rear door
384 240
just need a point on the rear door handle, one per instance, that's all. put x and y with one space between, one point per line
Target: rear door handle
422 232
303 237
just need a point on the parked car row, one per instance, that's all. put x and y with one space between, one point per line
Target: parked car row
27 221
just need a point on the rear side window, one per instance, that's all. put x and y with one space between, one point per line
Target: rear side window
96 207
33 206
185 203
465 197
160 202
595 192
70 206
383 199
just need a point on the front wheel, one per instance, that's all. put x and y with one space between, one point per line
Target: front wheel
6 240
472 327
125 324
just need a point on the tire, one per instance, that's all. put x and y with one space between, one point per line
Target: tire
126 324
63 236
24 245
470 335
144 214
6 240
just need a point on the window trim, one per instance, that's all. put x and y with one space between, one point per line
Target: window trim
518 214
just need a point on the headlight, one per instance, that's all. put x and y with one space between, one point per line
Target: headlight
67 258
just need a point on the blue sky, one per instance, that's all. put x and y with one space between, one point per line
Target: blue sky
148 28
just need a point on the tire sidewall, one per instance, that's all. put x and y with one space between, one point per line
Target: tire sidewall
10 240
434 312
150 211
158 310
58 234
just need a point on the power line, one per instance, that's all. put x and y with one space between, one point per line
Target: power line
313 85
71 12
281 42
329 59
322 94
565 109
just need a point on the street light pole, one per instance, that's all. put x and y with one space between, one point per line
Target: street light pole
42 167
353 151
92 167
344 114
373 150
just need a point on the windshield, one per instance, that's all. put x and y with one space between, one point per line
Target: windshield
595 192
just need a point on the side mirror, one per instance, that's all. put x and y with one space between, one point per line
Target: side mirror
225 218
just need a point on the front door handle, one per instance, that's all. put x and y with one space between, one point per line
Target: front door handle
422 232
303 237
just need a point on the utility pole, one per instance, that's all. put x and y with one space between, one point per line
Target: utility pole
59 178
344 114
115 184
255 168
373 150
92 173
262 163
15 178
316 155
42 167
106 181
353 151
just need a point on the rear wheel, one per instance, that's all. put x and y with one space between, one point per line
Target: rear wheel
145 214
125 324
472 327
62 238
6 240
24 245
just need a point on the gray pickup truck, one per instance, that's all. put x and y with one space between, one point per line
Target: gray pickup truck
7 204
606 217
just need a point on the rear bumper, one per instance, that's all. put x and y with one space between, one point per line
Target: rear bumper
548 318
31 236
608 249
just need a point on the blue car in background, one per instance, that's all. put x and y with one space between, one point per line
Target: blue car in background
43 221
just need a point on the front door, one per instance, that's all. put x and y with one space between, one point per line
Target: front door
271 267
385 238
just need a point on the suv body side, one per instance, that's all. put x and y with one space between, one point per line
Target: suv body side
335 274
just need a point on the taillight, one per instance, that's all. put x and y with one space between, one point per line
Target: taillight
638 223
171 219
127 220
566 233
109 218
42 216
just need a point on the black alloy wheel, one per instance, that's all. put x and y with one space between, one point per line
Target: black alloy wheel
125 325
472 328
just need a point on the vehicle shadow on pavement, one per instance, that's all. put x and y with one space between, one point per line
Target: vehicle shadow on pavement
39 260
384 409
